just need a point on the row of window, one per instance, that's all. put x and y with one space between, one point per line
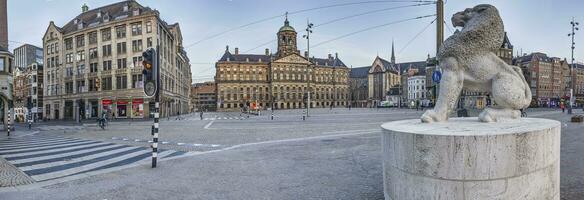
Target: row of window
106 35
105 84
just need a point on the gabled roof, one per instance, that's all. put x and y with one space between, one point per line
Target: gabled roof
359 72
113 11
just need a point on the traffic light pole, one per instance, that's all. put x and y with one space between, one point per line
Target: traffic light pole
156 110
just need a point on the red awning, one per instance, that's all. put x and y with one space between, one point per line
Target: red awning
137 101
106 102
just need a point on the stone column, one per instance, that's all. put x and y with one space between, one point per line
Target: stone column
467 159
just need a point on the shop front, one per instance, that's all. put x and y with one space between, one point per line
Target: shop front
107 107
93 108
122 108
137 108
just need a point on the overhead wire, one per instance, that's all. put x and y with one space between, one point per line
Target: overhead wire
297 12
416 36
371 28
348 17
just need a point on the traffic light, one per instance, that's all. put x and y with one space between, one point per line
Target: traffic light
149 73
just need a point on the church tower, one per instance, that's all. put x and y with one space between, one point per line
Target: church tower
392 54
286 39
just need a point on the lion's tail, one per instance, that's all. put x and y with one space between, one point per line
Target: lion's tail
519 72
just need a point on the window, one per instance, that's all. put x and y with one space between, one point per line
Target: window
92 37
121 82
80 86
2 65
91 85
107 65
106 83
148 27
93 53
137 45
80 40
56 47
122 63
80 55
121 48
106 34
149 42
69 87
93 67
68 43
137 81
81 69
121 31
69 58
137 28
106 50
137 61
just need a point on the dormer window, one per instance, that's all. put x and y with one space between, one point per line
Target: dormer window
75 21
246 59
136 12
106 17
99 14
126 8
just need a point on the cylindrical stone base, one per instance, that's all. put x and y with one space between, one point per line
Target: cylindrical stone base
467 159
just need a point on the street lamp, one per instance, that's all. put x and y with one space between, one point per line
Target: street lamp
574 29
307 36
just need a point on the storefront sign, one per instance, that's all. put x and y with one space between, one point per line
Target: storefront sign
106 102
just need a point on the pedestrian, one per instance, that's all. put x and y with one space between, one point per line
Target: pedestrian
417 105
563 107
201 114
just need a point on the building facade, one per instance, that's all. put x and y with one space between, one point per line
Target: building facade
6 66
358 81
28 93
548 78
204 97
26 55
93 64
417 89
282 80
578 83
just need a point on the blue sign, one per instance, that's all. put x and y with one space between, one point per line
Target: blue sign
436 76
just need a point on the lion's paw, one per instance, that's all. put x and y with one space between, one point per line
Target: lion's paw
431 116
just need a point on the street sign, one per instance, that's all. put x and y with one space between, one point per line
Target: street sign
436 76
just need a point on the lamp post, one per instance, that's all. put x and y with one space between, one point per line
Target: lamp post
307 36
574 29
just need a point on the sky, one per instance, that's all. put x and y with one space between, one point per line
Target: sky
532 26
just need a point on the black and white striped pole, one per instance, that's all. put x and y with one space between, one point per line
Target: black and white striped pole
150 78
8 124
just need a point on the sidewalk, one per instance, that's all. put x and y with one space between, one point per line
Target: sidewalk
9 174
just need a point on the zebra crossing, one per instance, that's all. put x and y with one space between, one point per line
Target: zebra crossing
216 118
57 127
46 158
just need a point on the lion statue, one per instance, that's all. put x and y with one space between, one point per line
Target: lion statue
469 62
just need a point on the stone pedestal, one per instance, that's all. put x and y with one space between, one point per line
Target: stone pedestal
467 159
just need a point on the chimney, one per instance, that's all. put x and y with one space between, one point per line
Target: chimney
227 49
236 51
330 56
336 55
84 8
3 25
306 54
267 52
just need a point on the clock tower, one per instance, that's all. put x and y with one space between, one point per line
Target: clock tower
286 39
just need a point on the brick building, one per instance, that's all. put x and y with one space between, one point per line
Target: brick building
204 97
